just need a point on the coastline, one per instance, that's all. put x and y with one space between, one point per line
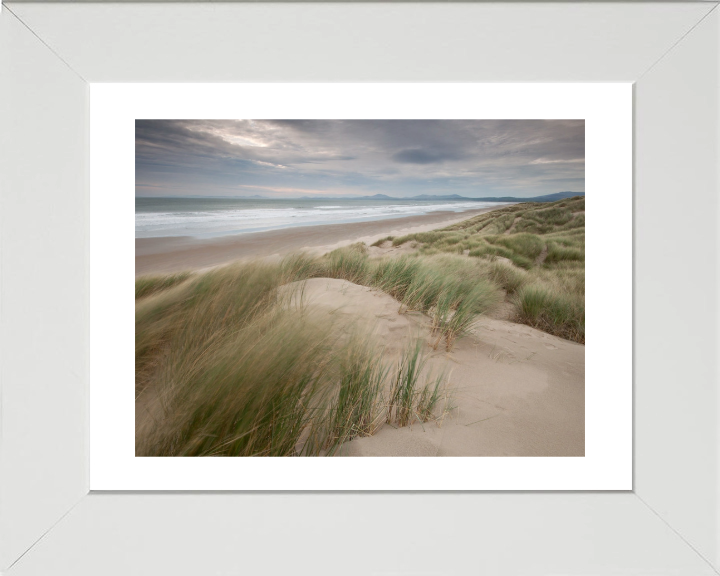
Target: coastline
174 254
509 387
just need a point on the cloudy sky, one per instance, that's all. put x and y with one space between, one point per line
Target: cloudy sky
292 158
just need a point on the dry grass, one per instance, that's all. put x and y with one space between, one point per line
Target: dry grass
226 368
147 285
383 240
534 251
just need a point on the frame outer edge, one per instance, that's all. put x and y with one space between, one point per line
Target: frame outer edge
37 63
677 373
43 288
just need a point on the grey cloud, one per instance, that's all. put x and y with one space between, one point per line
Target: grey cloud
405 157
417 156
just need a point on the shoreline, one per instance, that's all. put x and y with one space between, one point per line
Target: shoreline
164 255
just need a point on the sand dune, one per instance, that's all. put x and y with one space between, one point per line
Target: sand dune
517 391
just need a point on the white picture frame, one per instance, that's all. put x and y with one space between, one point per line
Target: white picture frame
606 110
49 523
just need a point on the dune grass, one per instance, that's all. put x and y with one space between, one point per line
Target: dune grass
225 368
509 277
534 251
357 407
383 240
452 290
347 264
403 393
223 360
409 400
147 285
553 300
429 397
449 288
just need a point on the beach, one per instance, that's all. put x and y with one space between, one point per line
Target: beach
516 390
178 253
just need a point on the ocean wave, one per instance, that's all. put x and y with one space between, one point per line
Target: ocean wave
208 223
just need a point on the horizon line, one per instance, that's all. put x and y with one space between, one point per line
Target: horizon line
258 196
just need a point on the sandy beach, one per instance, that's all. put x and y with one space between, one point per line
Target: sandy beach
515 390
173 254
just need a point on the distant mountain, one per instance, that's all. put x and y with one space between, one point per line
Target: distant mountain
373 197
439 197
545 198
431 197
203 196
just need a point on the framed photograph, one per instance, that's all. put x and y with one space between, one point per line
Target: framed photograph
504 395
477 413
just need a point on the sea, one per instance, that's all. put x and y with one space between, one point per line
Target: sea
213 217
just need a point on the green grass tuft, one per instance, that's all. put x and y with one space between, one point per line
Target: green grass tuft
527 245
146 285
383 240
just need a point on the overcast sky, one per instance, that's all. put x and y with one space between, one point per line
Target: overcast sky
292 158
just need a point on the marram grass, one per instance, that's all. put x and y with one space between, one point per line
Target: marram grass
225 368
534 251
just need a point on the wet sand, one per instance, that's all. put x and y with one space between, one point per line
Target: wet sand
173 254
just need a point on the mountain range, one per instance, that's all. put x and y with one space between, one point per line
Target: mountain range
430 197
545 198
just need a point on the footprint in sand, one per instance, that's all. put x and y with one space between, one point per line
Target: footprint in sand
551 347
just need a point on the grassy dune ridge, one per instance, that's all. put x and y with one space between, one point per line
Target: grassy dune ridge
536 253
226 366
452 290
